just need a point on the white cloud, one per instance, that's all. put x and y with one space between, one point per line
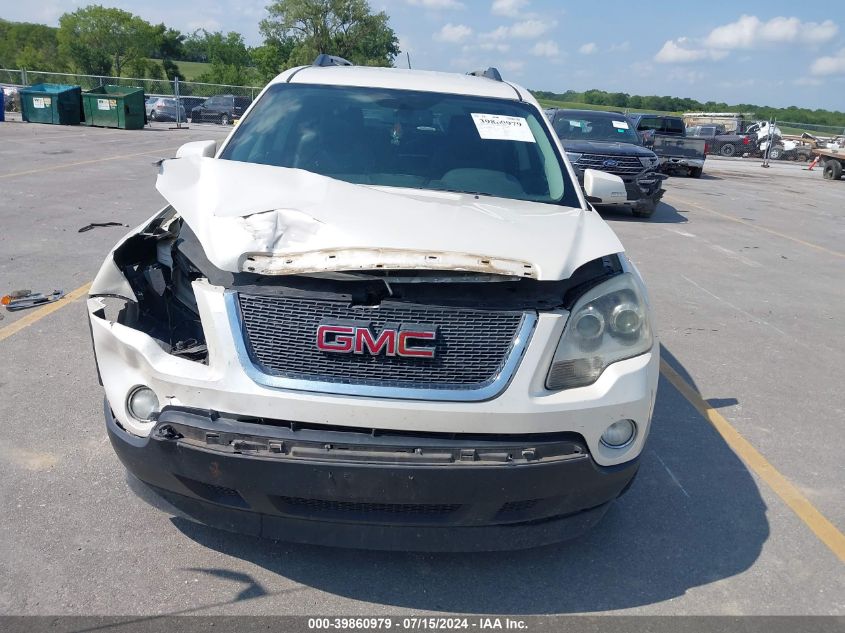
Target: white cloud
524 30
588 49
751 32
508 8
437 4
454 33
490 46
683 51
548 48
621 47
829 65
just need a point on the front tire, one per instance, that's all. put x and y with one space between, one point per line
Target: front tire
695 172
775 153
727 150
224 119
645 208
153 116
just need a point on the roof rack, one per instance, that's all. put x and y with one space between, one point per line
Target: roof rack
490 73
330 60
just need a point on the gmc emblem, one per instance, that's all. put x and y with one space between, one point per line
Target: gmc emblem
351 339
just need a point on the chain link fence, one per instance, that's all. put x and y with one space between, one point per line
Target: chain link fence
791 127
199 102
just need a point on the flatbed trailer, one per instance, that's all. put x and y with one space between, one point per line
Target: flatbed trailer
833 161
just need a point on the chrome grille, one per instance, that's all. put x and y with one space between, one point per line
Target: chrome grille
471 348
625 165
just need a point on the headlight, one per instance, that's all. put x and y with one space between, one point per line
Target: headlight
608 324
573 157
648 161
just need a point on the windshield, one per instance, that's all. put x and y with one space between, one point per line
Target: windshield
400 138
582 126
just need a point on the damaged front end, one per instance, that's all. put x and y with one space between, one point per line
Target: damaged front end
145 285
303 366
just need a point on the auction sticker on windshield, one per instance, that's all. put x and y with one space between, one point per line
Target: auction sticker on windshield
621 125
499 127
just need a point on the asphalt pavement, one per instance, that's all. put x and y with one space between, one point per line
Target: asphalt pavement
745 269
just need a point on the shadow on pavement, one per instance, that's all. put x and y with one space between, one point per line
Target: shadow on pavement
664 214
693 516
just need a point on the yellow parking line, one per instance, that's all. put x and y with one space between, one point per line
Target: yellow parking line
40 313
783 488
758 227
86 162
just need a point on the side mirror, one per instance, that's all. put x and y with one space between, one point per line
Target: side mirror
603 188
205 149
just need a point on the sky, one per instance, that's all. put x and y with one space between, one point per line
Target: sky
773 52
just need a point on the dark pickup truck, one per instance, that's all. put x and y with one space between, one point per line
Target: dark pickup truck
607 141
666 136
719 142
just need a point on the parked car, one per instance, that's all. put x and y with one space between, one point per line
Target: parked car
666 136
606 141
189 103
349 331
223 109
164 109
719 142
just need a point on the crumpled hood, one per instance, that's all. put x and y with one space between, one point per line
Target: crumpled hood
276 220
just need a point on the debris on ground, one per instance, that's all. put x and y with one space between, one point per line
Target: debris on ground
95 225
23 299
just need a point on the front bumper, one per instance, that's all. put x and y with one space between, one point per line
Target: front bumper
351 489
669 162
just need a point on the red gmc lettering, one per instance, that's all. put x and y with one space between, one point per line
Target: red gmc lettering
364 340
415 352
342 341
347 339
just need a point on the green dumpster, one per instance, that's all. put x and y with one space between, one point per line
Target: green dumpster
114 106
51 103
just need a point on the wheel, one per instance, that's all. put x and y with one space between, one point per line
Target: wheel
695 172
224 119
832 169
644 208
727 150
153 115
775 153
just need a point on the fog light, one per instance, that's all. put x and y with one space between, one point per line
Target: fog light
142 403
619 434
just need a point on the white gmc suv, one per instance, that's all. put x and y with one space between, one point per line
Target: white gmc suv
381 315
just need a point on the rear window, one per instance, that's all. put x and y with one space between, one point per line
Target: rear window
402 138
673 126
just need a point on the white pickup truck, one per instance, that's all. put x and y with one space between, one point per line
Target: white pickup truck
382 314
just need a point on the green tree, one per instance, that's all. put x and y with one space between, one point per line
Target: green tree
230 60
100 40
171 69
32 46
347 28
